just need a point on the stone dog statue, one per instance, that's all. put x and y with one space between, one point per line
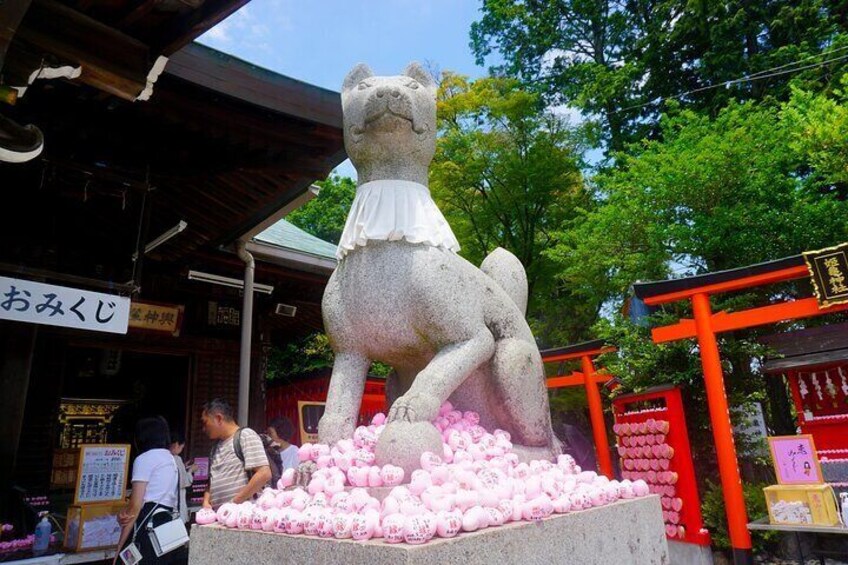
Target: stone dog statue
401 295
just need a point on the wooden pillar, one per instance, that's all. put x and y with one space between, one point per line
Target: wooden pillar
596 414
731 483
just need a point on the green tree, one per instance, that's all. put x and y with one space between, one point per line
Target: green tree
713 194
616 60
506 174
324 216
755 183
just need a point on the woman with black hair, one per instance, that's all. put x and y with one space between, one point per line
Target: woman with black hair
154 485
178 442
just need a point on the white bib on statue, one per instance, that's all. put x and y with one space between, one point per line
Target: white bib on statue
391 210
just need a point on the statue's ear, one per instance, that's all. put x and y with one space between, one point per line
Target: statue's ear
357 74
419 73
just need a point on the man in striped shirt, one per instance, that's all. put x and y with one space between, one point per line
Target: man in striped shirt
232 479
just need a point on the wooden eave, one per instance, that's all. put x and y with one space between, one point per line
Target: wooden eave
114 42
810 347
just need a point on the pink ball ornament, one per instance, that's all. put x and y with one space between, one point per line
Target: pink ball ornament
390 505
471 417
391 475
228 515
342 526
357 476
286 479
472 519
304 453
363 458
394 528
344 462
448 524
345 446
419 482
316 485
293 522
361 528
206 516
496 517
640 488
420 528
378 419
507 507
537 508
454 416
245 515
466 499
374 478
270 519
325 525
310 521
430 461
446 408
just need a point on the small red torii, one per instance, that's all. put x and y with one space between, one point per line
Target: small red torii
586 351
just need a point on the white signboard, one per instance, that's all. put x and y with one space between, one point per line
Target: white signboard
39 303
102 475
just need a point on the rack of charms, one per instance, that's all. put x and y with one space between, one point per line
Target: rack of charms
653 445
820 395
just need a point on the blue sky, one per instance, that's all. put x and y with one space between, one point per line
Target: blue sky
319 41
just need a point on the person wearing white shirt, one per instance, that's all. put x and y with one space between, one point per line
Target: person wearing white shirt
154 485
281 430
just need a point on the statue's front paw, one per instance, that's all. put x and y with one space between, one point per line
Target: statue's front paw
332 428
414 408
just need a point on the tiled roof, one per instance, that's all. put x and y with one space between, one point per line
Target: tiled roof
287 236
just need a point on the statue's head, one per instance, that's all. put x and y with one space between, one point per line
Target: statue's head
389 122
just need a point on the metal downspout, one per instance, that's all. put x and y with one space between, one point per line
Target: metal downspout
246 333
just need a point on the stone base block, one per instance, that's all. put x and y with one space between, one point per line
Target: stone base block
682 553
625 533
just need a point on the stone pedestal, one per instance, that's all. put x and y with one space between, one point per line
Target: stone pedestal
627 532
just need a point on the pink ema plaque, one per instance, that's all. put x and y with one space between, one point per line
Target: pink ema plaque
795 460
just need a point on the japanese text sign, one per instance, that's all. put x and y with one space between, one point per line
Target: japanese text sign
795 460
39 303
156 317
829 271
102 475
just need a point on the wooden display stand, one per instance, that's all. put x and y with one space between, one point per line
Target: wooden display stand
99 495
818 498
93 526
662 404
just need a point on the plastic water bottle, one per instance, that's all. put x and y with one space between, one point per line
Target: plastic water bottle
42 536
844 500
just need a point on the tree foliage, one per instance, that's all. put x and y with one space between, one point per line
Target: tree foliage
506 174
324 216
617 59
751 185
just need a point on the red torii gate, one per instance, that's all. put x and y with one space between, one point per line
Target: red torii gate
705 326
590 378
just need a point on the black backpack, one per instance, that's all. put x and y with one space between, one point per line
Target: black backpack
271 454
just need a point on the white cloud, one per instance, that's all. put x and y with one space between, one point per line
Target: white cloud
219 34
570 113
